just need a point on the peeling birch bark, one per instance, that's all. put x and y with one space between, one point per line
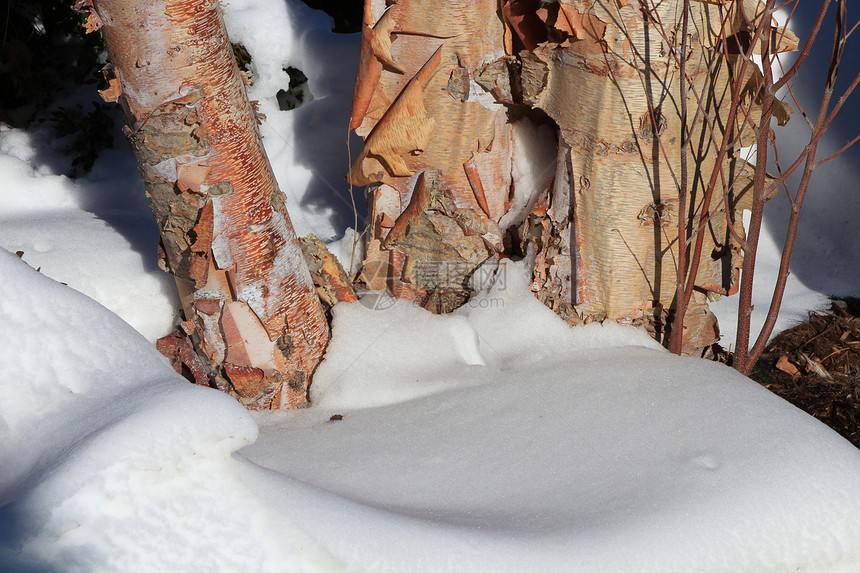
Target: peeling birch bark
434 99
331 281
437 145
611 80
251 312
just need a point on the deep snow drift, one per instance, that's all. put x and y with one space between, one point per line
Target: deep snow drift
466 442
493 439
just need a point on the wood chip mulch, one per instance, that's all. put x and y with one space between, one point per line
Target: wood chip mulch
816 367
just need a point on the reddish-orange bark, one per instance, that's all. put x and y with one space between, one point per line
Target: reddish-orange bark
250 306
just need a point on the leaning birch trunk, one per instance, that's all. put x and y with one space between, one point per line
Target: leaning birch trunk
250 307
611 77
437 145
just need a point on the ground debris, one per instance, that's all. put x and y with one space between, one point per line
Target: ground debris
816 367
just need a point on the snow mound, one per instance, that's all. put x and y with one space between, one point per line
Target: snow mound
518 443
615 459
44 216
109 460
410 352
533 446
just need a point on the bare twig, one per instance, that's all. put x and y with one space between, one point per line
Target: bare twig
684 297
842 150
676 339
744 360
804 52
759 197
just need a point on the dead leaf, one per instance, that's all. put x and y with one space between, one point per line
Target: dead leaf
816 367
785 365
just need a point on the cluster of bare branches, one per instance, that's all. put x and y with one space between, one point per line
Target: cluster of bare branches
751 44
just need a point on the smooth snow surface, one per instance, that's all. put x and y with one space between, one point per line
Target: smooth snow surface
604 460
492 439
53 221
613 456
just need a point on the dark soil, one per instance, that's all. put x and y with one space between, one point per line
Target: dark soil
816 367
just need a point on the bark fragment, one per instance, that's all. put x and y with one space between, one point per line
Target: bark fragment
331 281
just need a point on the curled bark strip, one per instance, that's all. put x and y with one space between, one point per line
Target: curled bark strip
369 70
475 182
420 201
403 130
380 41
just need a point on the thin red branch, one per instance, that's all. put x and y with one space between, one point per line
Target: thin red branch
745 307
838 153
807 47
748 359
676 340
780 179
787 249
722 151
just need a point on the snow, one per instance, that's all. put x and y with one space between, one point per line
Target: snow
493 439
107 251
534 163
517 474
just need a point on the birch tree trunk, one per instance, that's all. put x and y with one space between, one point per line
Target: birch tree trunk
250 307
653 107
652 103
437 145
